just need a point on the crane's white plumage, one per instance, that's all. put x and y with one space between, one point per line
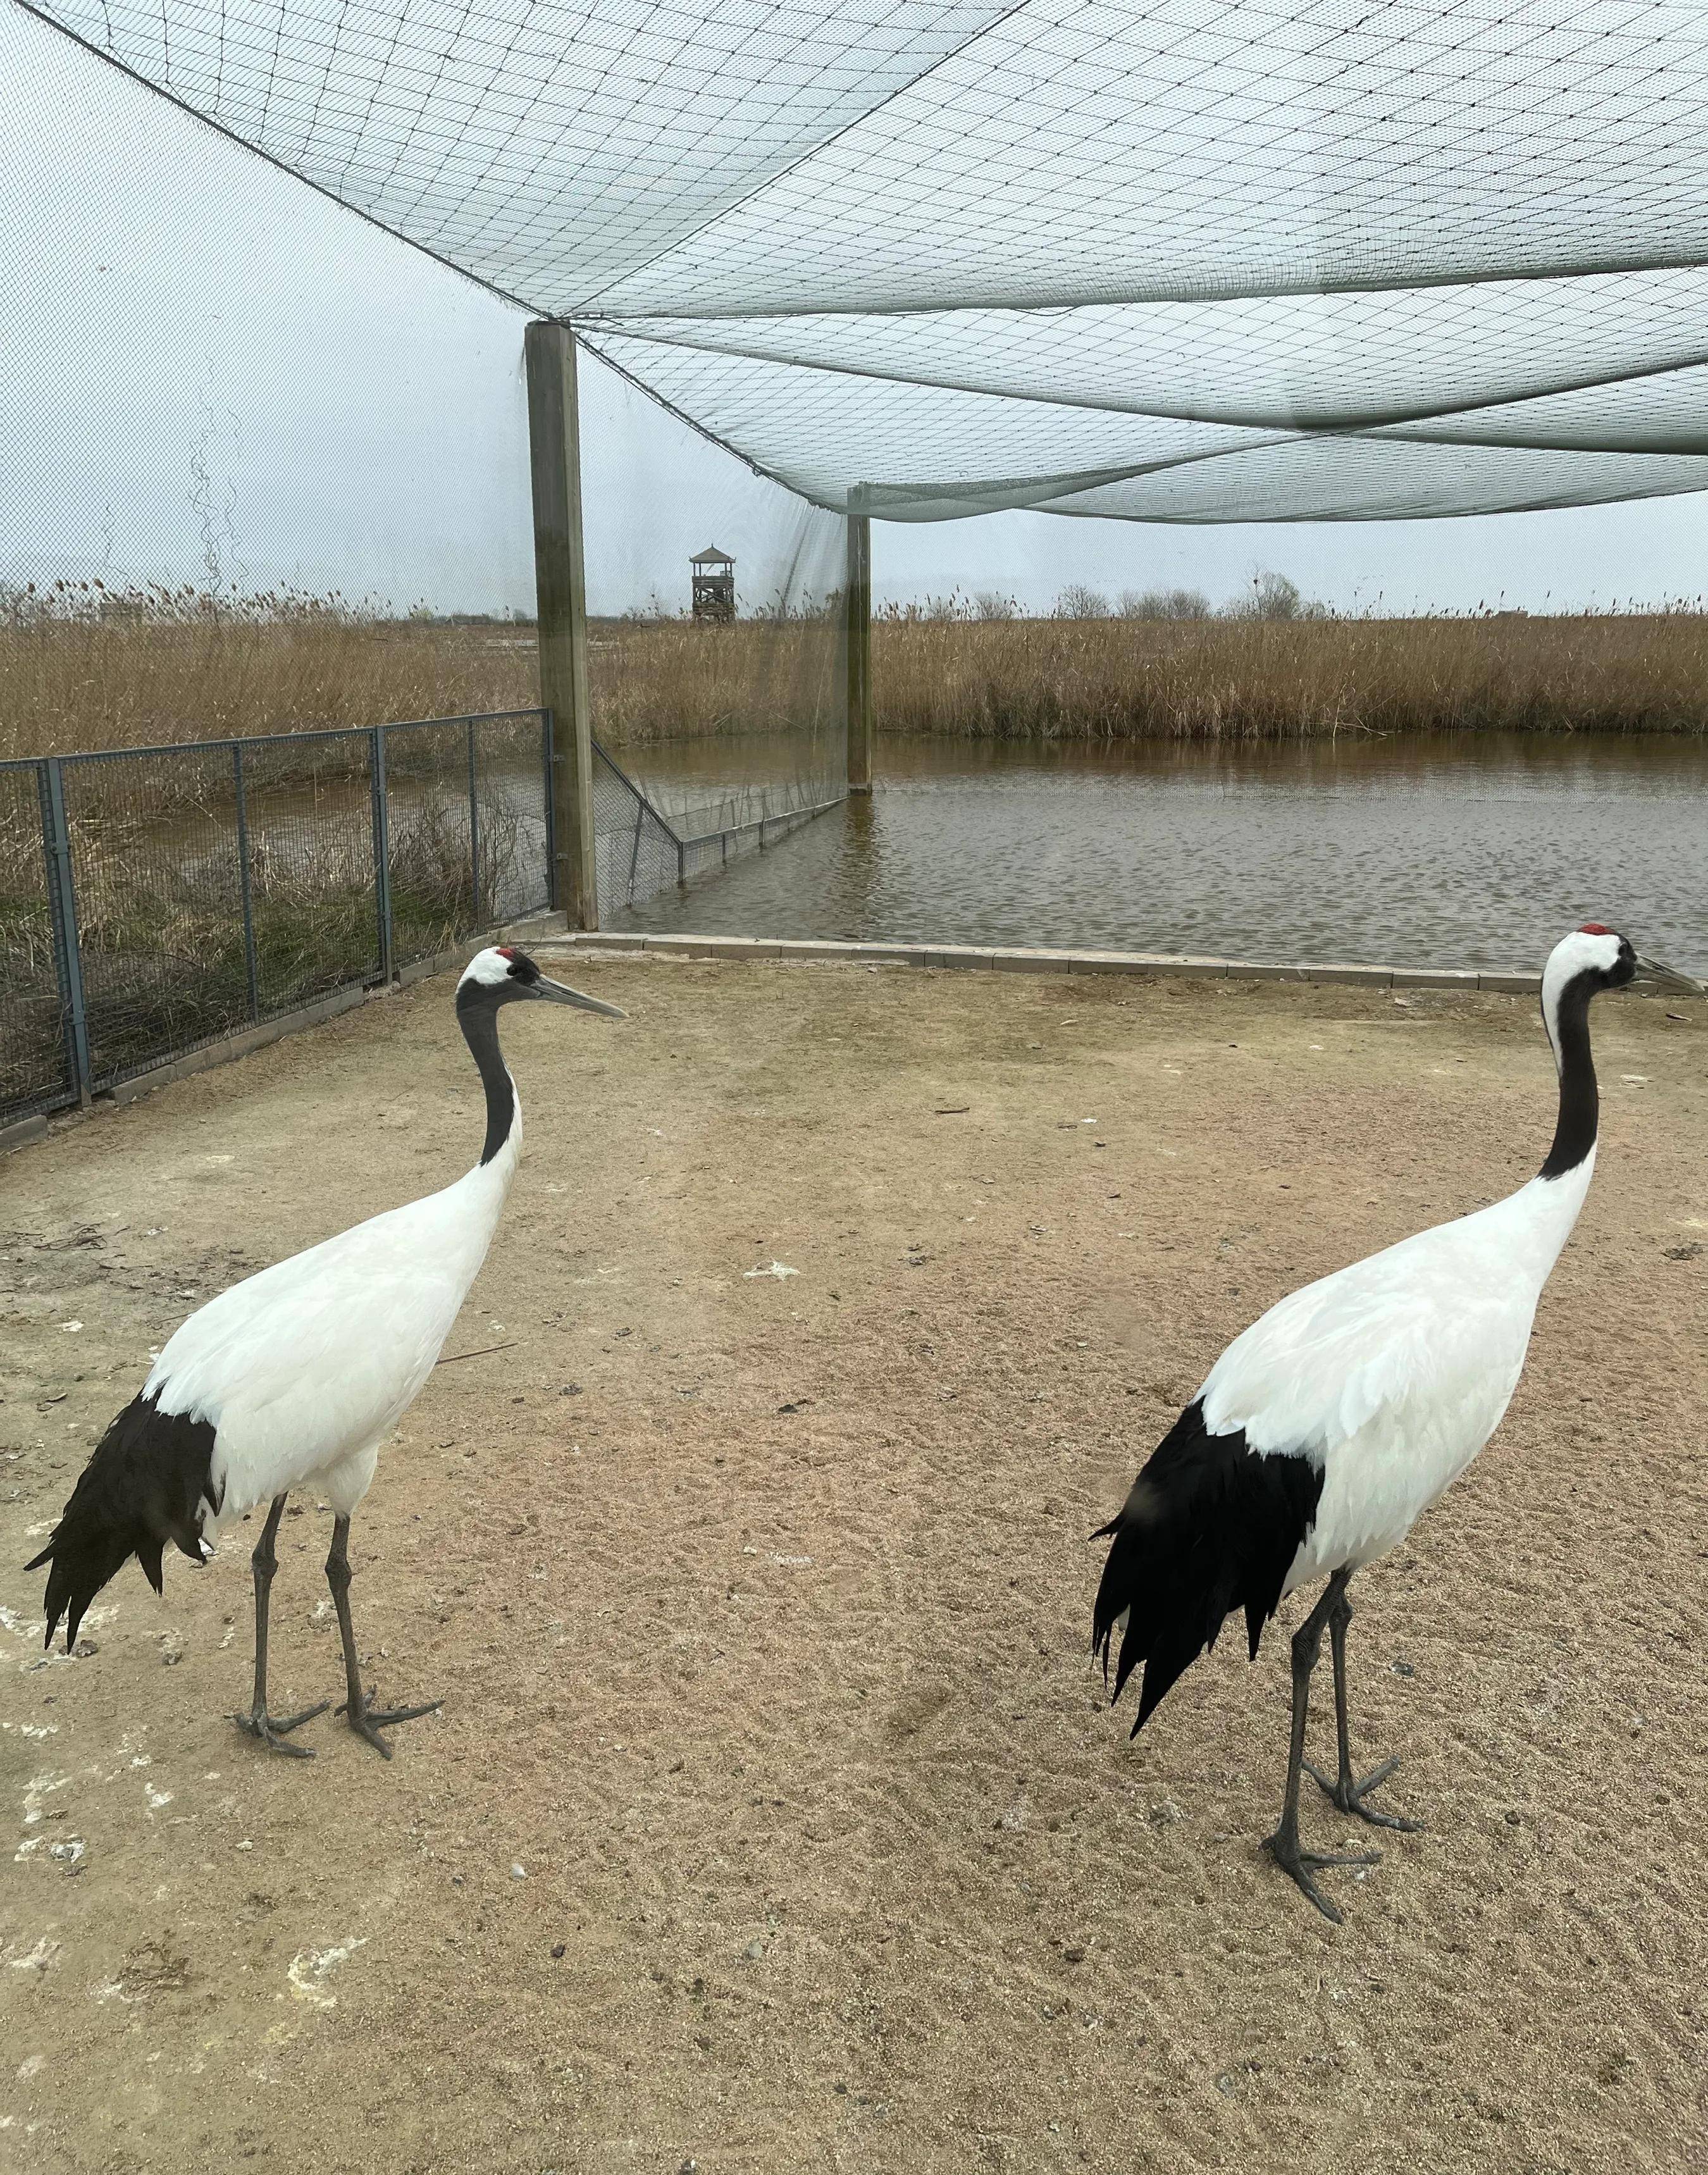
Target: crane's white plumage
304 1369
296 1376
1389 1376
1329 1426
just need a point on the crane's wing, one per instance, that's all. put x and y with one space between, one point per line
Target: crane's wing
319 1355
1319 1433
1418 1335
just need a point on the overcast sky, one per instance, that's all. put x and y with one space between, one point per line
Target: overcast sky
209 371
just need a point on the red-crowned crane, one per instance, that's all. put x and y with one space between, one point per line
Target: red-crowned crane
1325 1429
295 1377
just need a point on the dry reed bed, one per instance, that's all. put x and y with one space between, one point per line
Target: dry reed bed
79 672
83 672
1251 679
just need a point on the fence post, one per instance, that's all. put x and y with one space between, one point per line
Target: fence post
473 832
857 631
73 1013
250 968
560 586
382 848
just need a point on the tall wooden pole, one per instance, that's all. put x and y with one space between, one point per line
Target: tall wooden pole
857 605
560 575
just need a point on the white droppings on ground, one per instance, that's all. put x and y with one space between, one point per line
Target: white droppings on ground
39 1958
778 1269
34 1790
311 1968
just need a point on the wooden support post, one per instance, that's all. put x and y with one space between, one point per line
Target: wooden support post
560 583
857 629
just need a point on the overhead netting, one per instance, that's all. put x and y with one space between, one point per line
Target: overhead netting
1187 260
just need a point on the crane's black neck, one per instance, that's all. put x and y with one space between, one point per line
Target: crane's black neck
477 1010
1580 1103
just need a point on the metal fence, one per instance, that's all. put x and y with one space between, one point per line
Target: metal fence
154 900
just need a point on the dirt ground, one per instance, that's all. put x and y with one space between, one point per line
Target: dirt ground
775 1819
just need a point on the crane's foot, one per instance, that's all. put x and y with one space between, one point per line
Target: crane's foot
368 1720
1299 1865
1349 1796
272 1729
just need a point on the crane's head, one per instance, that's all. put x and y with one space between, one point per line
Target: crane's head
501 975
1594 958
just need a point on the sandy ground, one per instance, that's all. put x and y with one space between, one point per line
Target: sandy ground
759 1603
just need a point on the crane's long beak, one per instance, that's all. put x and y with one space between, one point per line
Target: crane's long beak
1651 974
560 993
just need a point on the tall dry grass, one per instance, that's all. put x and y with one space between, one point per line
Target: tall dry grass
84 668
1249 679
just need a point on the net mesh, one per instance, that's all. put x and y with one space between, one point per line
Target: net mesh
1181 260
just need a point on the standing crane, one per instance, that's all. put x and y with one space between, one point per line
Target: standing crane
1329 1425
293 1378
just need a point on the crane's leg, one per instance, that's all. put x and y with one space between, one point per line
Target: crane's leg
363 1717
1344 1792
271 1729
1283 1844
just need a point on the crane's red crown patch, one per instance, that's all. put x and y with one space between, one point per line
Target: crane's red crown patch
505 951
1588 928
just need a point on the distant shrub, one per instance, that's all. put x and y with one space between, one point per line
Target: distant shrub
1076 601
1164 603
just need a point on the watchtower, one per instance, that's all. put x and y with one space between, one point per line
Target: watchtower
714 584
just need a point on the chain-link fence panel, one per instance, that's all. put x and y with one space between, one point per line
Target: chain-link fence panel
511 785
431 841
311 860
153 900
35 1060
157 885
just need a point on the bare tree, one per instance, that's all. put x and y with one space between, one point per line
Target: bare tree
1164 603
1076 601
1273 596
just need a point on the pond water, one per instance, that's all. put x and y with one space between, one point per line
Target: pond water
1471 850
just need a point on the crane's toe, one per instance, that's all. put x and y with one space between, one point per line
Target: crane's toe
1350 1797
272 1729
1299 1865
368 1720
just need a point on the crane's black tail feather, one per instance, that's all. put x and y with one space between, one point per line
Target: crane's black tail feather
143 1487
1208 1527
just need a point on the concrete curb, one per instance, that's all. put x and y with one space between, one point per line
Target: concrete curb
535 927
1029 960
